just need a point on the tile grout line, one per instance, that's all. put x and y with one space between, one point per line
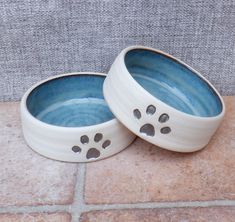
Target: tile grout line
35 209
152 205
77 207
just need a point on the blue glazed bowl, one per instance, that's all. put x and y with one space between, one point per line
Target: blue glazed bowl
66 118
70 101
162 99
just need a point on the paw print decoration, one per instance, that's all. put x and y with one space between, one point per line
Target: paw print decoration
148 128
92 152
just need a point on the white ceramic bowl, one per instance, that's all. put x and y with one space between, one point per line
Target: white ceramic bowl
66 118
163 100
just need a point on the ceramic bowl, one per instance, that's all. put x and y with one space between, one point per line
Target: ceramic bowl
66 118
163 100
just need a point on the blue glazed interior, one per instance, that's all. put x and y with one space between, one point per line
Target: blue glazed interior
173 83
70 101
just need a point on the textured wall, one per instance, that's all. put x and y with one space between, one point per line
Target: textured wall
40 38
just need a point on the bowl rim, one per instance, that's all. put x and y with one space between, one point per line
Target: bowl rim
30 117
206 118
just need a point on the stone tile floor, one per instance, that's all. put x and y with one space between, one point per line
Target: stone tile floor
142 183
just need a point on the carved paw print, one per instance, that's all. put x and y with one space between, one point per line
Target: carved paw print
148 129
92 152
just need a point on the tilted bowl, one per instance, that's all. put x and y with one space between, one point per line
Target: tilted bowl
163 100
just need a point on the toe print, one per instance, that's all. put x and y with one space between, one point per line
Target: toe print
93 152
148 129
163 118
137 114
98 137
84 139
151 109
165 130
106 143
76 149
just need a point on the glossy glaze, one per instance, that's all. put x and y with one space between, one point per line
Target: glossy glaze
70 101
173 83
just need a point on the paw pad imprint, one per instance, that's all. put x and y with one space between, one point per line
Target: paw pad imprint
92 152
148 128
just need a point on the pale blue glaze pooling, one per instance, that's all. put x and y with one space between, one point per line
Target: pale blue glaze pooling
173 83
71 101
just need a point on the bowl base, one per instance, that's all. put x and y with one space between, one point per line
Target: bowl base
76 113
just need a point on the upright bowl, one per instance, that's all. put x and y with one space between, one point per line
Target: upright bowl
66 118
